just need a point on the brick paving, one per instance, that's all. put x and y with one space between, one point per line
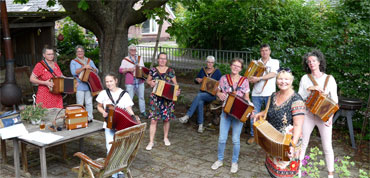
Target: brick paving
190 155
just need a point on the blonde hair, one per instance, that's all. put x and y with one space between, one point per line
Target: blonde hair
285 73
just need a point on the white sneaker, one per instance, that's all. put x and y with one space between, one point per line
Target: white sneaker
217 164
167 142
184 119
200 128
234 167
149 147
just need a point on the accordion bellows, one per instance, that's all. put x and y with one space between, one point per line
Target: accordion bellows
64 85
255 69
93 81
209 85
141 72
321 105
271 140
165 90
119 118
238 107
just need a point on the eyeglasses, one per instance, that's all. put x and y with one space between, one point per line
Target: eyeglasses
210 62
284 69
236 66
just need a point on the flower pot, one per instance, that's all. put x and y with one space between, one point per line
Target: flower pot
35 122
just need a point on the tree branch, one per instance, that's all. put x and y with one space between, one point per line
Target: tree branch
139 16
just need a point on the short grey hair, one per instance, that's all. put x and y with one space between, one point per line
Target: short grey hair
79 47
131 47
210 58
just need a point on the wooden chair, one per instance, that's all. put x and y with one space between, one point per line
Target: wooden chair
22 75
123 151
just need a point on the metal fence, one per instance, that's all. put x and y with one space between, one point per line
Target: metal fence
187 59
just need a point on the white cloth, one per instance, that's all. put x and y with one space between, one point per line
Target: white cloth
124 102
331 88
272 65
126 64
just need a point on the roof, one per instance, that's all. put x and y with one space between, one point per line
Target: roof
32 6
35 13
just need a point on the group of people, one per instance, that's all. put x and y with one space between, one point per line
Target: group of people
285 108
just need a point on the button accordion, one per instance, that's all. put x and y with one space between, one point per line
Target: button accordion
238 107
271 140
63 85
165 90
119 118
93 80
209 85
255 68
76 117
141 72
321 105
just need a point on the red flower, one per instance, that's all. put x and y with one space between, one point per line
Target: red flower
294 165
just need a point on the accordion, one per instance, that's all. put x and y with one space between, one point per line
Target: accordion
93 81
76 117
271 140
63 85
321 105
209 85
141 72
119 118
165 90
255 69
238 107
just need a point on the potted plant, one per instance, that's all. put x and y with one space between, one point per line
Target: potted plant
33 113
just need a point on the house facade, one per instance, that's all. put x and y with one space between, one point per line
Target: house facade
147 31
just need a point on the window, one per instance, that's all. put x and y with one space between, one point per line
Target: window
149 26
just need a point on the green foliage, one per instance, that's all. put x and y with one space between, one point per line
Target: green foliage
291 27
73 36
83 5
341 166
311 164
33 113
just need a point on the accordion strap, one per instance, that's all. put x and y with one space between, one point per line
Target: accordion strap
111 98
78 61
209 75
316 84
47 67
230 82
312 80
128 60
267 109
326 81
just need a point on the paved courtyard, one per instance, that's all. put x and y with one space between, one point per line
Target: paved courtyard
191 154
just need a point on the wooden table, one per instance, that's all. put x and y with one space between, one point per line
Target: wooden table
68 136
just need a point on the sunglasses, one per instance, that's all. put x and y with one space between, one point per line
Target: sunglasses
286 69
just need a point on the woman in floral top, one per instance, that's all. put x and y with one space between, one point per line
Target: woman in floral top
231 83
285 113
160 108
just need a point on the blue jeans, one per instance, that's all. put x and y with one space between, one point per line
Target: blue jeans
226 122
257 102
139 92
85 96
198 103
109 135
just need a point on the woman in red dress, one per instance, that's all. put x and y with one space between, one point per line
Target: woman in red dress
41 75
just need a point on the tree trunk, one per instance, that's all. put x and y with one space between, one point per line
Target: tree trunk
157 40
109 20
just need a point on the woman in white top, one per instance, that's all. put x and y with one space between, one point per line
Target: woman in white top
314 64
103 99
